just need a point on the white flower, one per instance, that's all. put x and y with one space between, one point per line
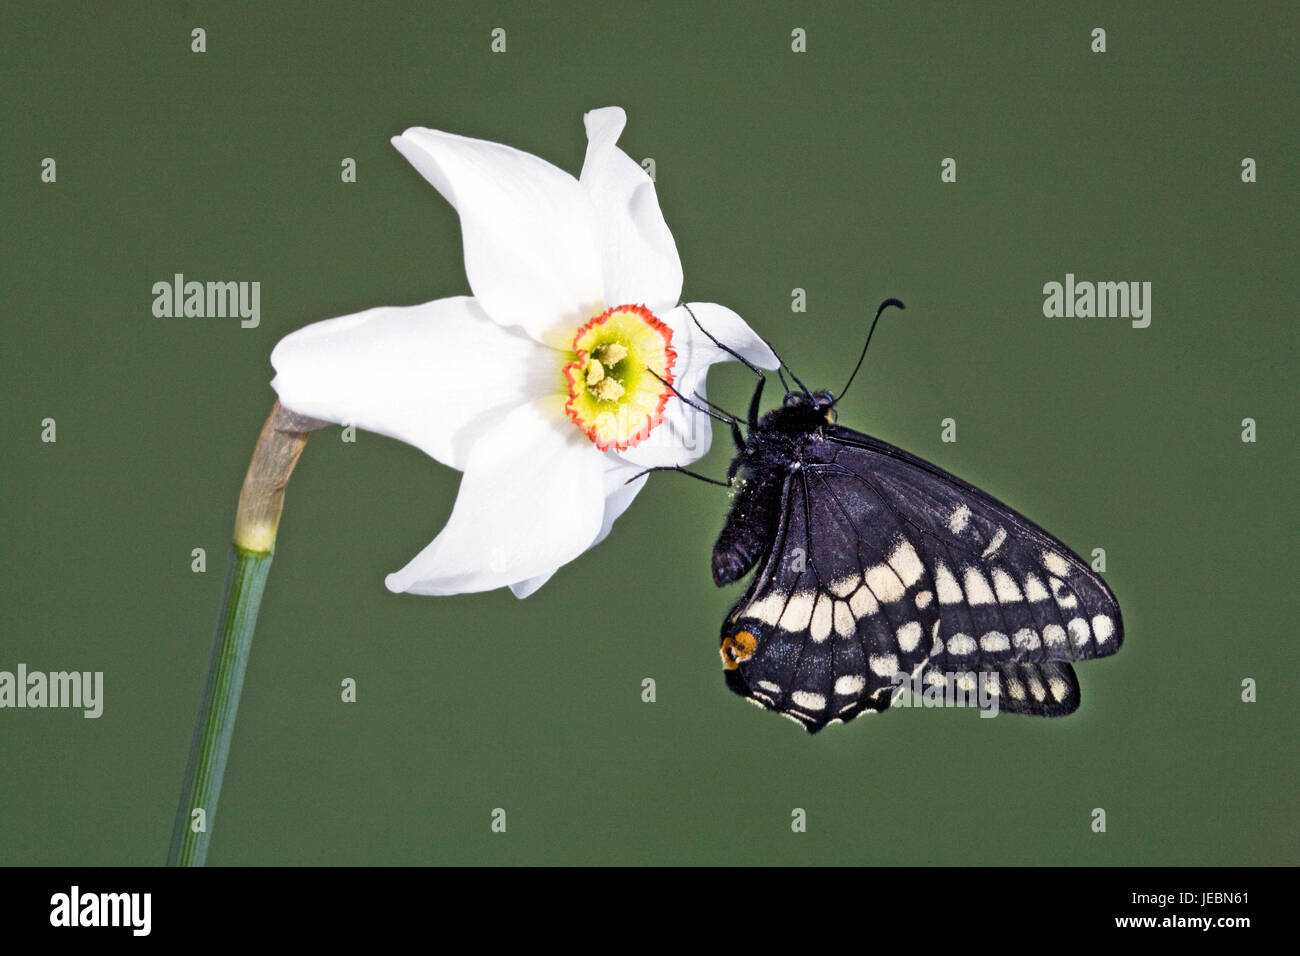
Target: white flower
540 386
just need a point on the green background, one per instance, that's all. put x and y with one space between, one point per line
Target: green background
775 170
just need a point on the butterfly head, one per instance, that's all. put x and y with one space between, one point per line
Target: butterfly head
803 409
816 406
801 413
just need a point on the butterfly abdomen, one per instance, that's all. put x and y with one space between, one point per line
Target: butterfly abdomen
750 526
778 445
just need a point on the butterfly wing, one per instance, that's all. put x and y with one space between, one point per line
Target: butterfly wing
886 569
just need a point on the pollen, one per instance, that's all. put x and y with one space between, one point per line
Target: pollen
608 390
619 376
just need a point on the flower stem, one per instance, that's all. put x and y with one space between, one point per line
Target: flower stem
258 519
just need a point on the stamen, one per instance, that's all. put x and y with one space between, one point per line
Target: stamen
611 353
607 390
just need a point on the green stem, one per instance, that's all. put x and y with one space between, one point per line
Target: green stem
245 582
256 523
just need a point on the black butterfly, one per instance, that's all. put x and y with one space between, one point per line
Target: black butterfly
875 569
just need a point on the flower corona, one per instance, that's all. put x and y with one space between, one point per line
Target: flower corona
620 377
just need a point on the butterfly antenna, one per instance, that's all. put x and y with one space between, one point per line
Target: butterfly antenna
744 361
883 306
802 386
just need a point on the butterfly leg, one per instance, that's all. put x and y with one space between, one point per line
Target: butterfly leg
684 471
736 435
708 408
753 404
713 411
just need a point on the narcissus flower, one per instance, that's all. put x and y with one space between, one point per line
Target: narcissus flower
549 387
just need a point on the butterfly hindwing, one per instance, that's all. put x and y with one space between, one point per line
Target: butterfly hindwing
830 620
883 568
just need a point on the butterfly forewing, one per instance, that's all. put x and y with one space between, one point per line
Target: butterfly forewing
884 569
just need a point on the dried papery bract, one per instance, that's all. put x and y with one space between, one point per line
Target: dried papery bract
257 519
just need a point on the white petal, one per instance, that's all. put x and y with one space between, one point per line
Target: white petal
619 493
530 586
436 375
725 326
686 434
532 244
532 500
641 265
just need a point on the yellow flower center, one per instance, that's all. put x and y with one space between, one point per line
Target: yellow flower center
619 376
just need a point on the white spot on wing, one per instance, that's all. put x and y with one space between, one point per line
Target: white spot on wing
850 685
767 685
885 665
1005 586
884 583
845 586
948 588
863 603
798 611
995 641
1036 687
1079 632
996 543
845 626
1055 563
1034 589
1054 635
1063 596
768 609
906 564
923 599
808 700
1059 688
909 635
959 519
820 626
1026 639
1102 628
977 587
961 644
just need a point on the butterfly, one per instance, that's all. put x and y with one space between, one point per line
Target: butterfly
877 572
